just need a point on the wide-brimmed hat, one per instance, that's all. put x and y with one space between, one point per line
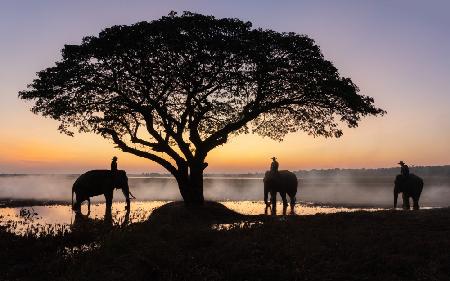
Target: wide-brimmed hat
401 162
114 158
273 158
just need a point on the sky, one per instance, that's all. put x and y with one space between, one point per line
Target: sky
395 51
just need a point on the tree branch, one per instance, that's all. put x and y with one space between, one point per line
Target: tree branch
124 147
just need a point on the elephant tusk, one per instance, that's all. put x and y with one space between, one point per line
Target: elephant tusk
132 196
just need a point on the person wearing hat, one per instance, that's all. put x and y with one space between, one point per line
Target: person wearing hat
274 165
404 171
114 164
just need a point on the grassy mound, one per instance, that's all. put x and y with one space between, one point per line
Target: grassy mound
177 213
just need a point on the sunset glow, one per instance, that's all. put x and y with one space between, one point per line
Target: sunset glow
396 52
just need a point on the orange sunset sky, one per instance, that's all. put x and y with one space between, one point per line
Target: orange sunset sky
395 51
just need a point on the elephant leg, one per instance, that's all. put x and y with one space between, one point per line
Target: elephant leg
266 195
77 207
293 199
406 205
292 204
127 217
273 199
416 204
283 197
109 197
284 209
89 206
108 217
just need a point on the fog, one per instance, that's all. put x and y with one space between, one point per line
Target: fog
337 190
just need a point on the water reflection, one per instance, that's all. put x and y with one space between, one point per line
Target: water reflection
57 219
302 209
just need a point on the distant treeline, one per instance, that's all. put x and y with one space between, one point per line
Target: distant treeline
423 171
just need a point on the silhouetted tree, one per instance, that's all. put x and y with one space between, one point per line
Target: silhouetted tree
173 89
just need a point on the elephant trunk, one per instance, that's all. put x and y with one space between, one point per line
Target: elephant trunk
126 193
77 205
266 194
396 192
266 189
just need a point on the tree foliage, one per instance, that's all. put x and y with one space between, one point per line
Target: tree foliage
172 89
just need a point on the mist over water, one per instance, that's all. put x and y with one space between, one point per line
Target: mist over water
39 187
330 190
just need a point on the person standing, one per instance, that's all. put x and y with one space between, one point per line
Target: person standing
274 165
404 170
114 164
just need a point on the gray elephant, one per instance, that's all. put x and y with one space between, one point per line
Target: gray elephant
98 182
284 182
410 186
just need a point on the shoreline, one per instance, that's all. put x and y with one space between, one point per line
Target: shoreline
17 203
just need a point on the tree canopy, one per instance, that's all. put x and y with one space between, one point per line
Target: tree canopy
173 89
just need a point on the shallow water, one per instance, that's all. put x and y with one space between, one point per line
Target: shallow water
59 218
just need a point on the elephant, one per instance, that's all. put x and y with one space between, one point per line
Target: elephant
283 182
98 182
410 186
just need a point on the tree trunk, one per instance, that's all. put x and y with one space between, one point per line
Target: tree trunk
191 187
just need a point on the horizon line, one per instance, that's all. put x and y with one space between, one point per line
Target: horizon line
239 173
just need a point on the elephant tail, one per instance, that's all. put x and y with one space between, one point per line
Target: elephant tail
73 191
420 185
131 194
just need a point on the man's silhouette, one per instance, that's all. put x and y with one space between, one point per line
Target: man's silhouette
404 171
114 164
274 166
